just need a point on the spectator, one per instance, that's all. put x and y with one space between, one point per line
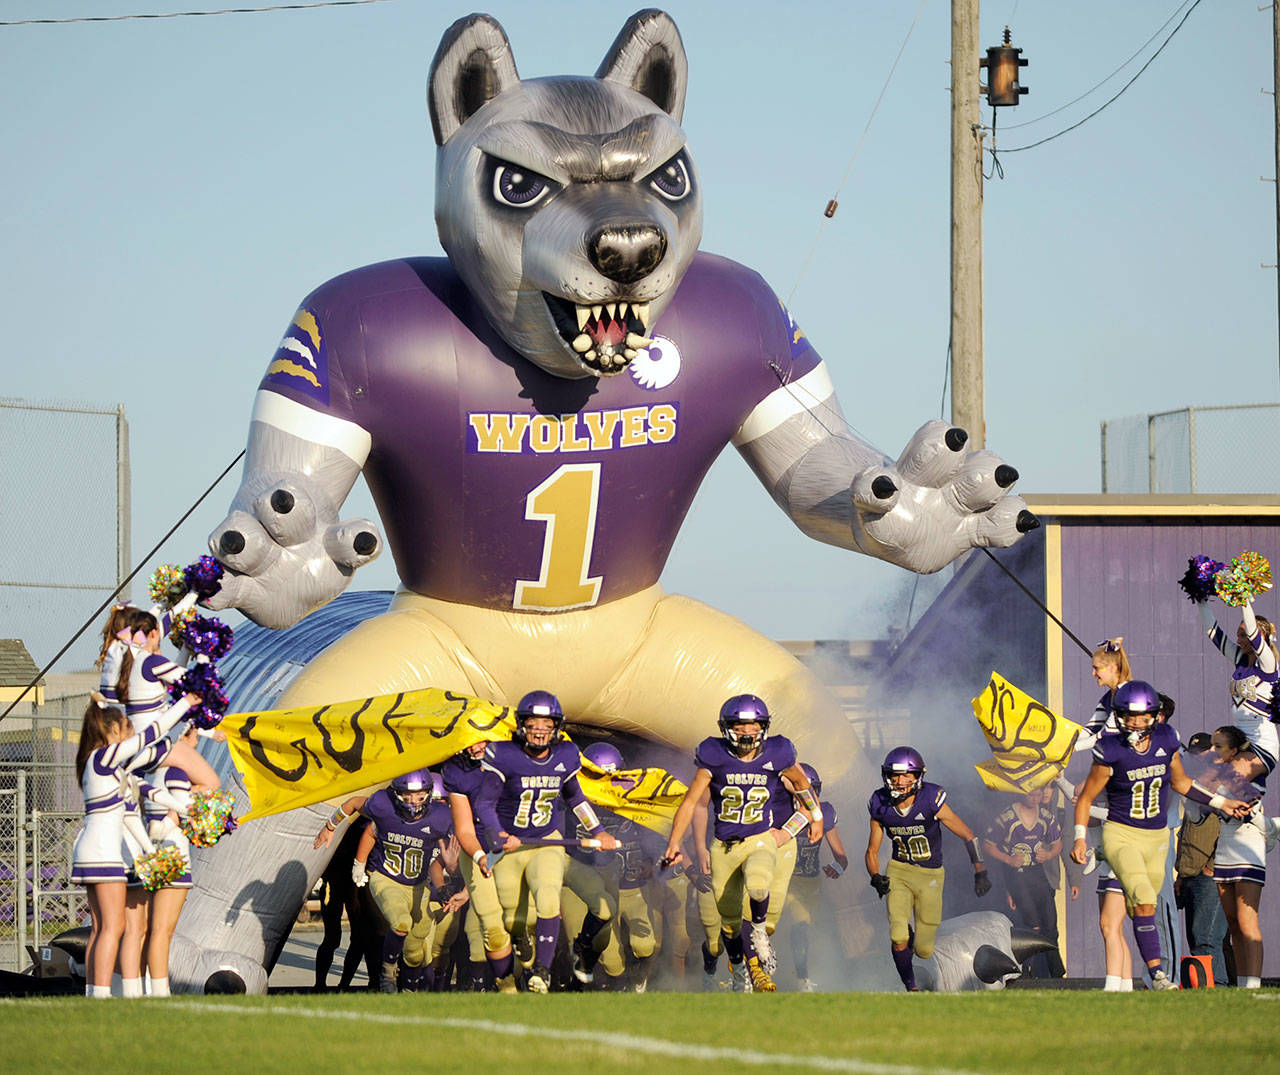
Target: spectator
1193 887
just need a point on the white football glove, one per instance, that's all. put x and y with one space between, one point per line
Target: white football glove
359 874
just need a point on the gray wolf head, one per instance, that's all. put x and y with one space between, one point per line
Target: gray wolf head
568 205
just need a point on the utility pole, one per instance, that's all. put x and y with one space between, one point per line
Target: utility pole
967 395
1275 97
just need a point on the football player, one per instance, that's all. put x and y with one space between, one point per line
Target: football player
534 772
743 769
403 840
913 813
1136 767
464 776
805 895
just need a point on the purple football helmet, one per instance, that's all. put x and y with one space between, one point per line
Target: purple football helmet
539 704
604 756
898 761
437 788
741 709
411 783
1135 705
815 781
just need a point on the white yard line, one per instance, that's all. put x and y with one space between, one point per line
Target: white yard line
586 1036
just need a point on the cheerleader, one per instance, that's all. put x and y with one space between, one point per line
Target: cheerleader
143 688
1253 682
107 746
1239 860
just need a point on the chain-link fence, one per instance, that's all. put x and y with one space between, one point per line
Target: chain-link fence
65 498
1194 450
40 814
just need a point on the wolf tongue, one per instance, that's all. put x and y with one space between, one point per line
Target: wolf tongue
607 332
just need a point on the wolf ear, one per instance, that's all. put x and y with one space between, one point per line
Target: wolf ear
649 56
472 66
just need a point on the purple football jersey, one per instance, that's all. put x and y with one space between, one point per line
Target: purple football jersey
531 792
1013 837
404 849
742 791
916 833
1138 788
474 449
462 776
809 854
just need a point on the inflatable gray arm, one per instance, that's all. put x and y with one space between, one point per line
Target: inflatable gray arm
287 551
933 503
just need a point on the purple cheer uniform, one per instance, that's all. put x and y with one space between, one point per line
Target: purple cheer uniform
464 433
742 790
916 834
404 849
526 798
1138 788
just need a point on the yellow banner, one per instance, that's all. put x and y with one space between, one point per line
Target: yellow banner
290 758
648 797
1030 744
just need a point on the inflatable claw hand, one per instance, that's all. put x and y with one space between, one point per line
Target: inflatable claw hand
285 550
936 502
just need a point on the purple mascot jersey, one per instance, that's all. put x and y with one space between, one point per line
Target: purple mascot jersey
473 447
404 849
741 790
917 834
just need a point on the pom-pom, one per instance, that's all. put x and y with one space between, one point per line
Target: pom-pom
204 680
162 867
1248 576
209 817
204 577
205 637
181 620
1255 571
1198 582
168 585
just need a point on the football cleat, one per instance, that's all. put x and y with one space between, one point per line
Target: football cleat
741 982
584 961
761 982
764 947
507 984
388 983
538 980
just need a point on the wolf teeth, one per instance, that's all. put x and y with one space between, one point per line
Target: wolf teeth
584 315
640 311
612 308
582 343
596 311
622 310
638 343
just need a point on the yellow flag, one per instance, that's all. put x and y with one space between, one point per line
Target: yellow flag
1030 744
296 757
648 797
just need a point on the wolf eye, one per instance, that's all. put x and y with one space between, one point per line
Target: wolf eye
672 179
519 187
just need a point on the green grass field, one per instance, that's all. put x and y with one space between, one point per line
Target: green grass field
1017 1031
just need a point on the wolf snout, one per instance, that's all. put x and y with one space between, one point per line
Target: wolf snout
627 253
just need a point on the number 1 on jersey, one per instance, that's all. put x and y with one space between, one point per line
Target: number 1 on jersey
566 503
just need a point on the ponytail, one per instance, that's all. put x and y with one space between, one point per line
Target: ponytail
100 721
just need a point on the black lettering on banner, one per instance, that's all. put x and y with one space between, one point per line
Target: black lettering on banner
505 712
447 730
260 754
353 757
391 715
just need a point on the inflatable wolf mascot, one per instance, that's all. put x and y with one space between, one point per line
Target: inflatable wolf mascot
534 414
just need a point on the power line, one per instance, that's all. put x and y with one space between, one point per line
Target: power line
191 14
1131 81
1099 85
858 149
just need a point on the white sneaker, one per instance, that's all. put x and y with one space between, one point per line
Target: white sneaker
764 947
807 985
1160 980
741 983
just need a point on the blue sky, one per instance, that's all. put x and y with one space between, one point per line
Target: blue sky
173 188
